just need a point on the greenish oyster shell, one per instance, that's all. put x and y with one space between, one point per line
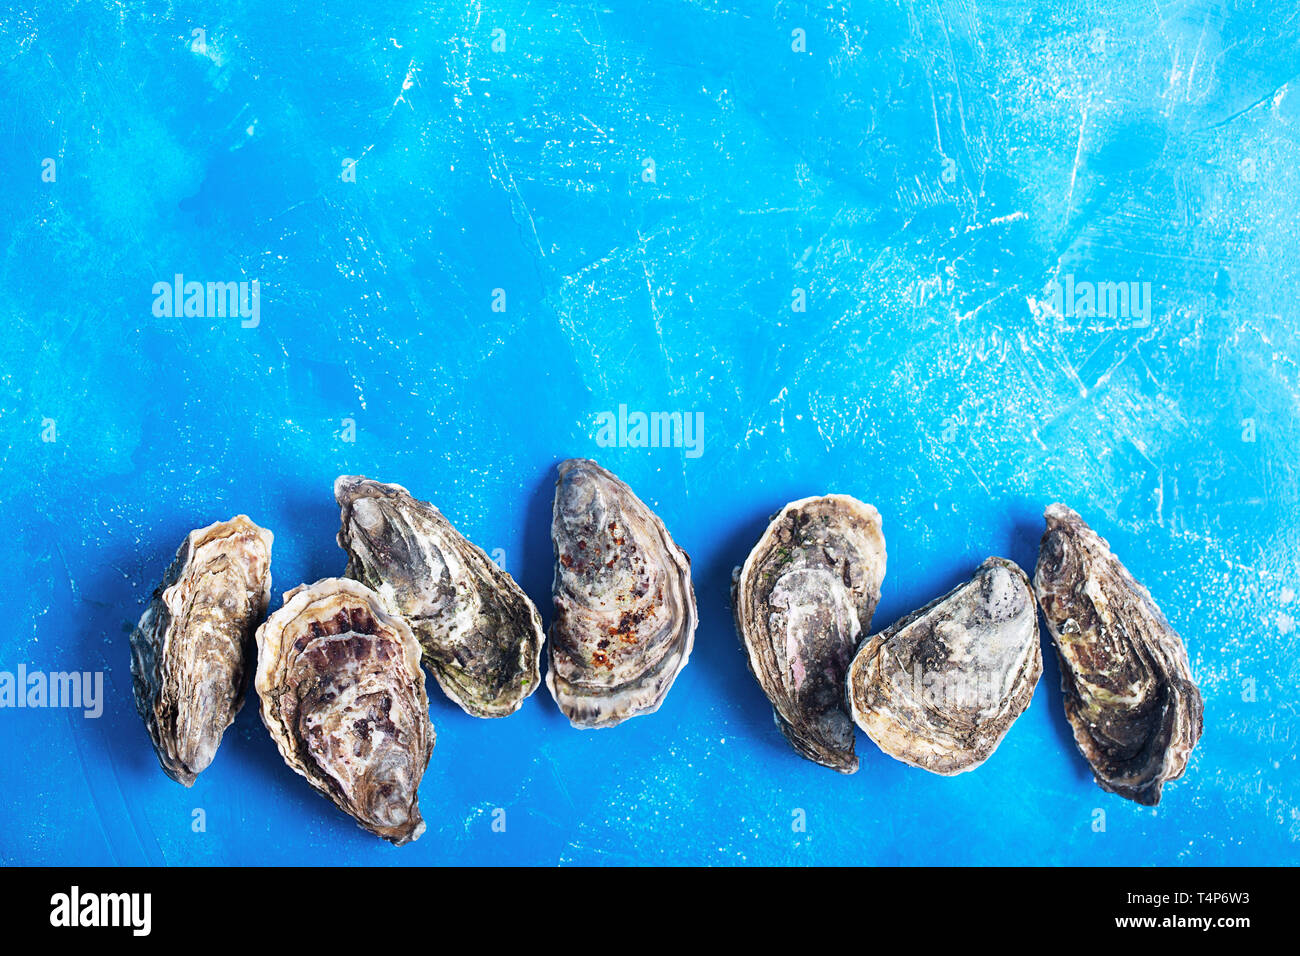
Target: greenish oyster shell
343 698
625 613
191 650
1129 694
481 636
802 601
941 687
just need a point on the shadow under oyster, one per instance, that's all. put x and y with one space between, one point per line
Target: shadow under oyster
481 635
1129 694
190 652
343 697
802 601
941 687
625 612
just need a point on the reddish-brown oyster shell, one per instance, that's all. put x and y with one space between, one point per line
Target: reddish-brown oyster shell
343 698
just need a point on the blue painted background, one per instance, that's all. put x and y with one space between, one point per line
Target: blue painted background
923 172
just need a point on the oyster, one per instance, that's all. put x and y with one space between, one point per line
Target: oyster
624 606
190 651
1129 693
343 697
940 688
802 601
481 635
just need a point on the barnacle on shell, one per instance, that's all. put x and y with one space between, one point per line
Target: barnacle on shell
343 697
190 652
625 611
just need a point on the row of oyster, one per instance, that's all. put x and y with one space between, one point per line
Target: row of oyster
338 664
940 688
342 695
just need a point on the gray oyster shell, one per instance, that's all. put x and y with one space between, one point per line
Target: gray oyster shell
481 635
802 601
343 697
190 652
941 687
625 612
1129 694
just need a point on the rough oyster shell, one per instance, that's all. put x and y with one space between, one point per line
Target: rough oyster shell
481 635
625 611
941 687
1129 693
190 651
802 601
343 696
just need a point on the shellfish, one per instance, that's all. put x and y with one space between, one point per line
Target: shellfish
190 652
1129 694
625 612
481 635
343 697
941 687
802 601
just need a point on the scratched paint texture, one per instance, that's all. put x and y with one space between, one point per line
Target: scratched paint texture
923 172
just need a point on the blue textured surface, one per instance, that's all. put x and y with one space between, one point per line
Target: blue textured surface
923 172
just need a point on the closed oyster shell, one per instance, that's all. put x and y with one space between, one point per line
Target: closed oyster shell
190 651
941 687
1128 688
802 601
625 611
481 635
343 697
